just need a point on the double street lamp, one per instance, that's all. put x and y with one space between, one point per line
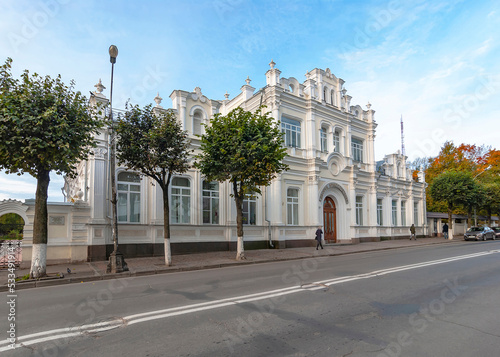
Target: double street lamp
116 261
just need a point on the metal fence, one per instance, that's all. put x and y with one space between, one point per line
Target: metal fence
10 252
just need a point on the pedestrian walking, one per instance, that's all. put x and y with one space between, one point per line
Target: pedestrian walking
319 233
445 231
412 232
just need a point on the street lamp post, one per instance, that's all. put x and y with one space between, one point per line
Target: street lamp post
116 261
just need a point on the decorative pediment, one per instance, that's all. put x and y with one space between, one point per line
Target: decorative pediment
197 95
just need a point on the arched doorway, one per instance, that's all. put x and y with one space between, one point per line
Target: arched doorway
330 220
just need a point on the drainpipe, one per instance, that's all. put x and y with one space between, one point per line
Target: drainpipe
269 236
86 180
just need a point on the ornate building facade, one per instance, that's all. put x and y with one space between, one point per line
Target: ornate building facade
333 180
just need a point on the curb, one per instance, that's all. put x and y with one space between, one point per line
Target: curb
53 281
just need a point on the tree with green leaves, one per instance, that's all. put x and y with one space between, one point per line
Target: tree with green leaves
491 201
152 142
455 188
245 148
44 126
11 226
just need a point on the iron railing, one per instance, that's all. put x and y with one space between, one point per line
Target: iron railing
10 252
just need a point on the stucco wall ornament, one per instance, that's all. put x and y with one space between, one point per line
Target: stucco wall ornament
336 163
333 186
100 153
197 95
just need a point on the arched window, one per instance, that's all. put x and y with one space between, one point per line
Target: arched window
332 97
197 120
336 141
129 197
181 200
324 93
323 139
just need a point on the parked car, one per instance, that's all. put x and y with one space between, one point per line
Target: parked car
479 233
497 231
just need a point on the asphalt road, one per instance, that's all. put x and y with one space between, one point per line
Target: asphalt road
439 300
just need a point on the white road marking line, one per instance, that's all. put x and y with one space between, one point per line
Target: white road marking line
181 310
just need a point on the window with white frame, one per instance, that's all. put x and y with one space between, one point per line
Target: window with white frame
323 140
291 132
403 213
129 197
332 96
394 212
210 197
197 120
180 207
380 212
357 149
336 141
292 206
250 209
359 210
415 213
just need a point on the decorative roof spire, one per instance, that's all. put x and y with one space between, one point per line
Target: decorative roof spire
368 105
99 87
272 64
226 95
248 80
158 100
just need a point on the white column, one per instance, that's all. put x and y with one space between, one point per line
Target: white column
275 202
312 207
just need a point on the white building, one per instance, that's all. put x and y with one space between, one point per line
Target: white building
333 180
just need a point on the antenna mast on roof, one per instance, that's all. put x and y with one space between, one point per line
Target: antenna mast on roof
402 138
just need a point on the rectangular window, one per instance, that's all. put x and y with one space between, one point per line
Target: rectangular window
394 213
336 141
181 200
210 202
359 210
403 213
380 218
357 150
323 140
250 210
291 132
415 213
129 197
292 206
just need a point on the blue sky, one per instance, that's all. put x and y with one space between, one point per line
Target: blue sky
433 62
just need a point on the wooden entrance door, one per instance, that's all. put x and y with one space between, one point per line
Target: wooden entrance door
330 220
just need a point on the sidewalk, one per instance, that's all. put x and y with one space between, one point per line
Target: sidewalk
90 271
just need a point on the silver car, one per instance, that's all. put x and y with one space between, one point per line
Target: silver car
479 233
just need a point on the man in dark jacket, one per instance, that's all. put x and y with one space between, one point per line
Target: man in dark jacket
412 232
445 231
319 233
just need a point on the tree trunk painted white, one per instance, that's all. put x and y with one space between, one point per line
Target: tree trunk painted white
40 228
38 261
240 249
168 253
450 233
